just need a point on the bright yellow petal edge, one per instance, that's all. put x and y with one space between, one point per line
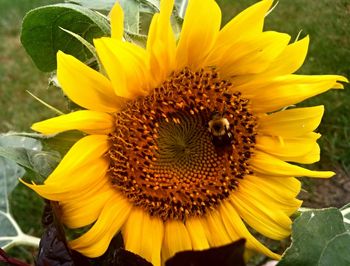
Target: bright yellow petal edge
261 68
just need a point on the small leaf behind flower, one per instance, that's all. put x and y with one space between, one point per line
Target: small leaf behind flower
228 255
42 37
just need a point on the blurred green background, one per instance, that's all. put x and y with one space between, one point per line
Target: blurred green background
326 21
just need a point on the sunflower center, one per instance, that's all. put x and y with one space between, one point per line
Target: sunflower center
182 149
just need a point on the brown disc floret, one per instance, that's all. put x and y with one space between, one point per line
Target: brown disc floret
164 157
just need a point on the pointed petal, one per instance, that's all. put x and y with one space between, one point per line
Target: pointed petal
302 149
249 22
176 239
252 55
290 60
161 44
276 201
199 32
75 185
85 86
143 235
291 186
197 233
286 90
269 165
272 223
215 230
95 241
292 122
287 62
117 22
126 65
84 152
132 231
152 240
85 210
90 122
235 226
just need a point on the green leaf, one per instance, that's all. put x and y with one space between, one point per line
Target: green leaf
311 232
104 5
131 10
10 172
62 142
336 251
32 158
88 45
42 37
137 18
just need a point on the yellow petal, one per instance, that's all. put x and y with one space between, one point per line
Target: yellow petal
272 223
290 60
286 90
251 55
117 21
292 122
249 22
86 209
85 86
90 122
312 156
96 241
152 240
276 201
269 165
215 230
235 226
291 186
74 185
199 32
161 43
176 239
301 149
287 62
126 65
197 233
84 152
132 231
143 235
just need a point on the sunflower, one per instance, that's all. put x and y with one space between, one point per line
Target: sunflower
188 142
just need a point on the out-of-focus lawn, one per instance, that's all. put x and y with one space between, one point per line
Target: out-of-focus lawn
18 74
326 21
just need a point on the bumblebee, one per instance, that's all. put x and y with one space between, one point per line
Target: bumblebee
219 127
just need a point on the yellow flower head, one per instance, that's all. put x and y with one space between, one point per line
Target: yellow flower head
187 140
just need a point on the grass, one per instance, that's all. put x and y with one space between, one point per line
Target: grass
327 23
